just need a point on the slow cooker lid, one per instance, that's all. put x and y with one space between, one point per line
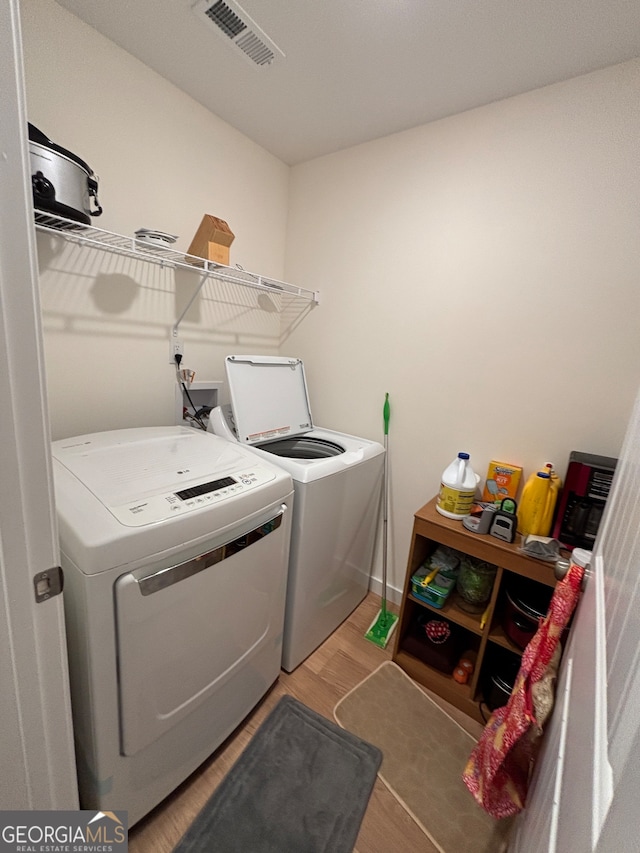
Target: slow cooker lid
504 683
504 671
530 598
37 136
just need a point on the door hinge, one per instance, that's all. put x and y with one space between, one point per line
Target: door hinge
47 584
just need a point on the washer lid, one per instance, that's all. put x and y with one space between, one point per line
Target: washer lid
268 396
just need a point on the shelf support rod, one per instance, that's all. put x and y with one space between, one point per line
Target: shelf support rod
194 296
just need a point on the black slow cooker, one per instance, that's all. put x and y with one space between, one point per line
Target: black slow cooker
62 183
526 605
499 684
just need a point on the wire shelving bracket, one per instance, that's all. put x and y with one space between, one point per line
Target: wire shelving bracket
88 235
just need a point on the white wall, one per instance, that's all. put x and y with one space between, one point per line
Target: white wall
162 161
484 271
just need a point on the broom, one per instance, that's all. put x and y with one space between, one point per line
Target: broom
382 627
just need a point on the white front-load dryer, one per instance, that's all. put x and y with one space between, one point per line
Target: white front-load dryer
338 486
174 548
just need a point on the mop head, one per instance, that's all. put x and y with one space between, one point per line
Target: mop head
382 628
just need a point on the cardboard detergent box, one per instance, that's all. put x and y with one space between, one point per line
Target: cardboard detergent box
503 481
212 240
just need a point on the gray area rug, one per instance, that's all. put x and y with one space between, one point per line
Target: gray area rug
301 786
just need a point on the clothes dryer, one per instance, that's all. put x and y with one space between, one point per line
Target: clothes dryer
174 547
338 487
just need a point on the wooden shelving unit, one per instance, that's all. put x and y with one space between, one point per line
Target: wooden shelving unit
431 529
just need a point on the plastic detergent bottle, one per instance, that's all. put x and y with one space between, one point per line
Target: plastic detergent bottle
457 488
538 502
555 486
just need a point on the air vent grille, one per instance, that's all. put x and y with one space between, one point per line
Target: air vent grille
255 49
231 21
228 21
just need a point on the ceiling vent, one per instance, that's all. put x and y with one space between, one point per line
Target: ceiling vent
231 22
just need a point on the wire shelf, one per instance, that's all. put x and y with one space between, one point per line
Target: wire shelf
88 235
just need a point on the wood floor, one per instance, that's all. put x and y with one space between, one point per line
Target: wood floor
340 663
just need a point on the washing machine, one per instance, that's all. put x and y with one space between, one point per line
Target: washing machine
174 547
338 487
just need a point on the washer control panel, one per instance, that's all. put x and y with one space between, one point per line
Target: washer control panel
193 497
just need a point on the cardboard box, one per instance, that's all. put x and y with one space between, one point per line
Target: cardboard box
503 481
212 240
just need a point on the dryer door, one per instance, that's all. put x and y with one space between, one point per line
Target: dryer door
186 630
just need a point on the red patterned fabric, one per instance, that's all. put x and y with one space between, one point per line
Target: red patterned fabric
499 768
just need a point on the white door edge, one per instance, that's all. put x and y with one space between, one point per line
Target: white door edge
36 737
564 722
603 775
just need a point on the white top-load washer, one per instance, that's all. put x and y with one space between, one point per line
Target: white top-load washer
338 486
174 549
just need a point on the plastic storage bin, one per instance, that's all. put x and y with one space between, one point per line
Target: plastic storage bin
443 564
435 592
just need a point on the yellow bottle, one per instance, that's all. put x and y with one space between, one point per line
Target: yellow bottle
554 486
537 504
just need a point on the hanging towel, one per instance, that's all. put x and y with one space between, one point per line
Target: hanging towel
499 768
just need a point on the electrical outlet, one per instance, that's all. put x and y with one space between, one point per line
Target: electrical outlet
175 348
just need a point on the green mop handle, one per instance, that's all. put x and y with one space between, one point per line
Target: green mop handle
386 413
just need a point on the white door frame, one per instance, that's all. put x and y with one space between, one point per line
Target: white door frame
36 736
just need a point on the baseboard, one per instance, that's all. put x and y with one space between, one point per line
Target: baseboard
393 595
